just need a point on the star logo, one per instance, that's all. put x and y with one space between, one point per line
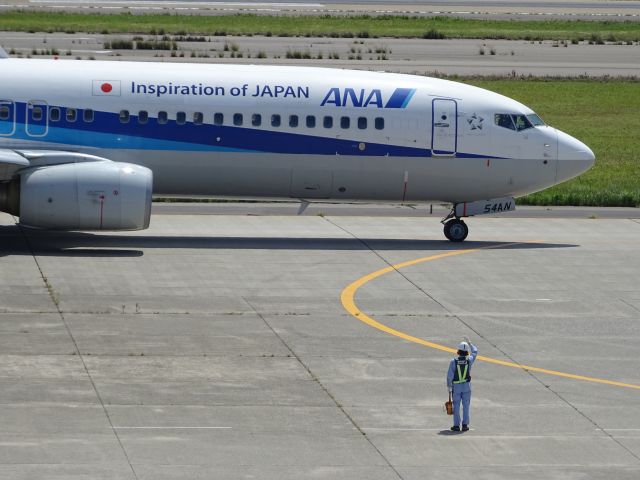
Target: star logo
475 122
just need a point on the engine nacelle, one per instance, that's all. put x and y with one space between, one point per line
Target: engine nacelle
82 196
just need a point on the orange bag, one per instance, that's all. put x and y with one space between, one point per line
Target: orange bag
448 406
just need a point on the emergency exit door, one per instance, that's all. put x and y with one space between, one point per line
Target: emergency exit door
7 117
37 118
444 129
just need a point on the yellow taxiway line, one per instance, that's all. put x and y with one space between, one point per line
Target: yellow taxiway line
348 302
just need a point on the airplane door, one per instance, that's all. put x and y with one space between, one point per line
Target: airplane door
444 127
7 117
37 118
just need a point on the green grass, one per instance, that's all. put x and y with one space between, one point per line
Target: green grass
602 114
362 26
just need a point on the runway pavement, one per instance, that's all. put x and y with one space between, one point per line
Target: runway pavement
424 57
230 346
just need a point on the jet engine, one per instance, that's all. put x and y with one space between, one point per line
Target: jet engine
81 196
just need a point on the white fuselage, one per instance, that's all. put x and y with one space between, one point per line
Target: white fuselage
242 130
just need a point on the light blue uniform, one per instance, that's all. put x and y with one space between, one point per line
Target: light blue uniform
461 391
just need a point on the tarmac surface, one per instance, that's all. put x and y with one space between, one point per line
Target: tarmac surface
218 346
414 56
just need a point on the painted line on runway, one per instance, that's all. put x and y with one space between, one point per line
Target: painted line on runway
347 298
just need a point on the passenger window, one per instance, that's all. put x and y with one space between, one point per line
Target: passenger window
237 119
143 116
327 122
54 114
345 122
504 120
293 121
256 119
4 112
198 118
36 113
72 115
218 118
362 123
275 120
124 116
181 118
163 118
379 123
87 115
311 121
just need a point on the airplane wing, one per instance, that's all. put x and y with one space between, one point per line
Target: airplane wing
13 160
12 157
10 162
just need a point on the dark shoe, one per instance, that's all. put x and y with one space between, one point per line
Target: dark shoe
465 428
455 428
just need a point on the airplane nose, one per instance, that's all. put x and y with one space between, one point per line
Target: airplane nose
574 157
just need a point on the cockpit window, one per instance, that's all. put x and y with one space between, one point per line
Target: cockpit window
514 122
521 122
535 120
504 120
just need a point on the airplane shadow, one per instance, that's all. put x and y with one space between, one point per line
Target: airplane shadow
14 241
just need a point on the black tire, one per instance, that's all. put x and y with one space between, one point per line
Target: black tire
456 230
446 229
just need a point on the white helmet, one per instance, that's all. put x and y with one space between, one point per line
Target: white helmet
464 347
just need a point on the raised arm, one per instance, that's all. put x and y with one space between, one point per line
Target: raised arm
474 353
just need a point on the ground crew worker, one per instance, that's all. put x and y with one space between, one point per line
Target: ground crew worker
459 383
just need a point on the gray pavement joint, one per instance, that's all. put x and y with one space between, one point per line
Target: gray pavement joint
630 304
585 416
431 297
55 300
315 378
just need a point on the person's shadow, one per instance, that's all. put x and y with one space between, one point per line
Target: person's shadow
449 432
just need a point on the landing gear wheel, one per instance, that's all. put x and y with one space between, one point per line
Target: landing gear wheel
456 230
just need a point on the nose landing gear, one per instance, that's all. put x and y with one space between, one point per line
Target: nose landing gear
455 230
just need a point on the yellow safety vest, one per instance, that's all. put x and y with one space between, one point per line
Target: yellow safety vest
460 375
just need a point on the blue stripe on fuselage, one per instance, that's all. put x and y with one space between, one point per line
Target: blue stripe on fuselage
400 98
106 131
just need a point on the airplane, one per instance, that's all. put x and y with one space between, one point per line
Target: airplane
84 145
